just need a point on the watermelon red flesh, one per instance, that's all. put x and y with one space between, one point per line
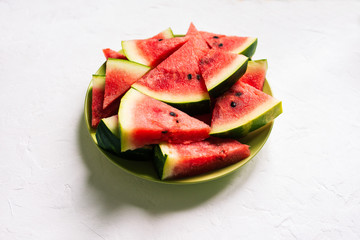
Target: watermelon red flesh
234 44
242 108
97 111
152 51
120 75
144 120
109 53
184 160
177 78
255 74
199 44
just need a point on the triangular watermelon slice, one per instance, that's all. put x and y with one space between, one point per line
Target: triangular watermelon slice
151 52
97 111
177 79
199 44
144 120
165 34
109 53
243 109
185 160
120 75
220 70
255 74
234 44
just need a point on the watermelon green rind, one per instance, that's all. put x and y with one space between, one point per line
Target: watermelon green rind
260 117
108 138
250 49
193 108
159 160
232 76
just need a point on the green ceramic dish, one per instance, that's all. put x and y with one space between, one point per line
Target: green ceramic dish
146 170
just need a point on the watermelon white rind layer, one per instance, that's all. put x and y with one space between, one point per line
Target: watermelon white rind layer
132 52
126 121
195 103
167 33
259 117
223 80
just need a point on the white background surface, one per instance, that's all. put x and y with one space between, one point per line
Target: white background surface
55 184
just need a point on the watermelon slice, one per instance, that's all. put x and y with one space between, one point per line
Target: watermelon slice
144 120
97 111
177 80
120 74
234 44
241 110
255 74
109 53
167 33
185 160
221 70
151 52
199 44
108 138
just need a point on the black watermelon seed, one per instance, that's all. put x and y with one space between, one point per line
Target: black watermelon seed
173 114
238 94
177 121
220 44
233 104
164 131
198 77
215 37
160 39
189 76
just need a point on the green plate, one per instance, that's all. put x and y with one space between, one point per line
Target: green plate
146 169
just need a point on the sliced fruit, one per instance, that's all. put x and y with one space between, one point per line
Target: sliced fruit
109 53
151 51
255 74
199 44
177 80
234 44
220 70
144 120
120 74
167 33
97 111
185 160
243 109
108 138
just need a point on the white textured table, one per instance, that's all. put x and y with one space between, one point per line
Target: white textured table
55 184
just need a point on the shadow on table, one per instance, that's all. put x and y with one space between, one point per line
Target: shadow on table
115 188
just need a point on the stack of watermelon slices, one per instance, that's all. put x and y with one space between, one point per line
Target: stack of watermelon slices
149 102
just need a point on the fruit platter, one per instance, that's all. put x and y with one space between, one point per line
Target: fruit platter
181 108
